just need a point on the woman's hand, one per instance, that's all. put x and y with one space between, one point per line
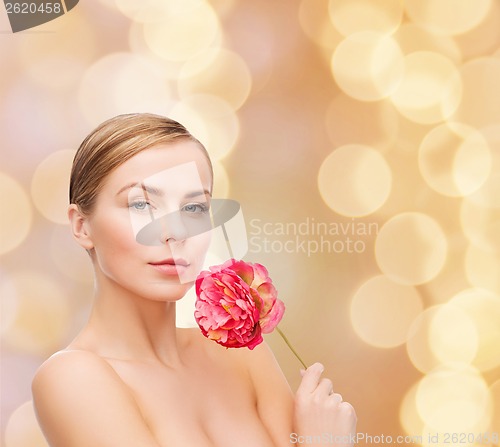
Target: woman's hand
320 415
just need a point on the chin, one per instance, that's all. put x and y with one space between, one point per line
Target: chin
169 292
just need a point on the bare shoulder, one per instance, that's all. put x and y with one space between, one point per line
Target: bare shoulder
68 359
260 361
69 368
80 400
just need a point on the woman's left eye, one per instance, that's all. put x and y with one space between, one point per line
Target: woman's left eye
195 208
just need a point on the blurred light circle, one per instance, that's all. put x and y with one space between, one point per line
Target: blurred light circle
483 307
454 159
430 90
211 120
42 317
412 38
181 33
482 39
168 70
408 415
382 311
69 257
352 16
201 63
345 116
481 225
9 302
354 180
489 194
50 186
418 342
17 214
138 46
316 24
208 74
122 83
22 429
368 66
448 16
411 248
453 336
150 10
221 180
155 10
454 400
482 268
480 104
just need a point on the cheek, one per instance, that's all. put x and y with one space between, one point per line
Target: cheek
197 246
115 236
202 242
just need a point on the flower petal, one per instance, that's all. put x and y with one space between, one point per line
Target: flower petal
271 320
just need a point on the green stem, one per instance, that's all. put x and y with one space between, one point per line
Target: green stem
283 336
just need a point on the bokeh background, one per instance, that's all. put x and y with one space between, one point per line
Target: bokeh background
362 138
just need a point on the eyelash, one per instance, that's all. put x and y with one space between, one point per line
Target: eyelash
139 202
202 208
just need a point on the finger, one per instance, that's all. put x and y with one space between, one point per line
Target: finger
325 387
310 378
349 410
336 397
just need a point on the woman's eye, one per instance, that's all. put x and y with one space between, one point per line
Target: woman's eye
195 208
139 205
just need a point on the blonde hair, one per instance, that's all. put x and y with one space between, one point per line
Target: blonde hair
111 144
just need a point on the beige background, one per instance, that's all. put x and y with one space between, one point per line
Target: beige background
367 132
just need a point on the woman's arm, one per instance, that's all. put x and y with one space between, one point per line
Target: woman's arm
80 401
275 401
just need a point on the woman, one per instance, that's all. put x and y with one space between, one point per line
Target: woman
131 377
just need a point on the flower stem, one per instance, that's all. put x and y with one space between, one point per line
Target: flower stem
283 336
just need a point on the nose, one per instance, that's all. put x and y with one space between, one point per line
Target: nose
172 227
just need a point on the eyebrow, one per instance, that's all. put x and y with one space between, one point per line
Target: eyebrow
158 192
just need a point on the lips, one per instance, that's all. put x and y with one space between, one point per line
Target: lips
170 266
172 261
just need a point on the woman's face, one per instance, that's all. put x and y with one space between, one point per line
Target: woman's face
150 223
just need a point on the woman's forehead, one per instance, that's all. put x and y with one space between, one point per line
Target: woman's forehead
181 178
176 165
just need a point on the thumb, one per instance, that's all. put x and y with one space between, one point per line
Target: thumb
310 378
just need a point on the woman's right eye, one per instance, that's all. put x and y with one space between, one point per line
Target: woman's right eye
139 205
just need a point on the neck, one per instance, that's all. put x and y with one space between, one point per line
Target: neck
126 326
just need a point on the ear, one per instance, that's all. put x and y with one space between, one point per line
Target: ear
80 227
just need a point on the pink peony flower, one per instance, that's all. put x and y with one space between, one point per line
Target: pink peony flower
236 303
